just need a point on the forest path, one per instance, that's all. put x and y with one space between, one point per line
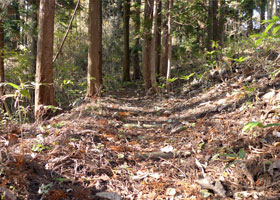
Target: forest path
148 147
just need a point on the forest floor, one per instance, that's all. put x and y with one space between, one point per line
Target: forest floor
126 145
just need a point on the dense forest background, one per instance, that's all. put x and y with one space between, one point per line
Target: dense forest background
161 42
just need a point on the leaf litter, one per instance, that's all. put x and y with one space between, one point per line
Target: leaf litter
158 147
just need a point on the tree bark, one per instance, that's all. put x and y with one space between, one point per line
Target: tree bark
148 16
95 49
44 91
210 26
34 41
158 37
270 9
274 7
165 39
168 75
215 21
250 22
136 61
2 72
126 16
154 51
262 15
34 36
222 21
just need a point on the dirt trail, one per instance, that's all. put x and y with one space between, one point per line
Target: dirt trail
149 148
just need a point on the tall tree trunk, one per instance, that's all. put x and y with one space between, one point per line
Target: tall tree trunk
158 37
215 21
2 72
34 36
34 41
222 20
95 49
262 15
270 9
168 75
126 16
136 64
274 7
250 22
210 25
165 39
148 16
44 91
154 51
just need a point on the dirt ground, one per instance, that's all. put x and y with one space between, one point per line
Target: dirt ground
190 145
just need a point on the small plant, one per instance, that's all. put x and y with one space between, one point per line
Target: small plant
44 189
187 77
58 125
266 34
21 92
251 125
39 148
230 156
238 60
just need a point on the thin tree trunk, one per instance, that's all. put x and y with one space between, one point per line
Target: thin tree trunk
44 91
148 16
222 21
2 72
270 9
215 21
158 37
209 26
154 52
34 36
136 61
168 75
165 39
95 49
262 15
34 41
274 8
126 67
250 22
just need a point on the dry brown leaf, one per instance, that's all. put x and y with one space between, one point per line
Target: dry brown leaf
124 114
120 148
55 195
103 122
13 139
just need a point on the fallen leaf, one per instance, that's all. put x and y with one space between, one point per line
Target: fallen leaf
167 149
13 139
108 195
170 191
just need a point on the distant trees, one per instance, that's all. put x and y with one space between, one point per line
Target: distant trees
147 43
137 47
126 65
94 78
167 41
215 22
44 89
140 36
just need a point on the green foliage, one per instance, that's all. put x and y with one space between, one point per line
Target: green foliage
230 156
267 34
187 77
239 60
251 125
20 95
39 148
